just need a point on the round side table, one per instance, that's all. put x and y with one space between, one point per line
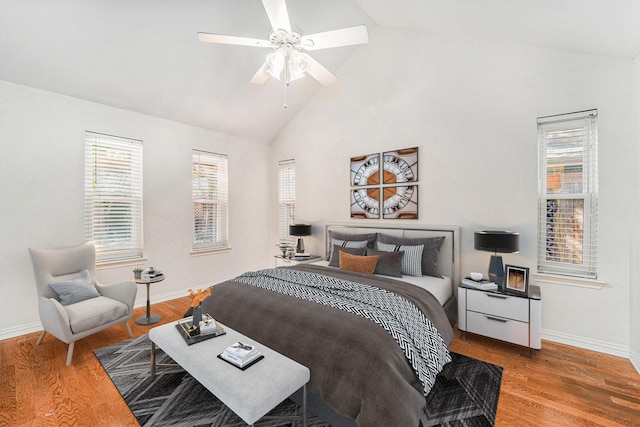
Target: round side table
149 319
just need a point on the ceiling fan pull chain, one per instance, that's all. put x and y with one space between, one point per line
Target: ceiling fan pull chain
286 79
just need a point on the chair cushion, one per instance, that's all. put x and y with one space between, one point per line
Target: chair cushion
90 313
75 289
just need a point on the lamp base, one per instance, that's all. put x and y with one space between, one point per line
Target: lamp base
496 271
300 246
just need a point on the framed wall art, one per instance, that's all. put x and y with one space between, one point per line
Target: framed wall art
400 166
400 202
517 279
384 185
365 170
365 203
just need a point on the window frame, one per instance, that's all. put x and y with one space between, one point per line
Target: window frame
211 169
586 121
114 178
286 199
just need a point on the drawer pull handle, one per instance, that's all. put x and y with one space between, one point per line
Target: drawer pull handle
497 296
497 319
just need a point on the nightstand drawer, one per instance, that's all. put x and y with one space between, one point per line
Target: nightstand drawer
498 327
500 305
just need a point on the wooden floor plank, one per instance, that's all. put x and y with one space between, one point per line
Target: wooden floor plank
562 385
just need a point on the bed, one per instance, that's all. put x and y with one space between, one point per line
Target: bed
372 355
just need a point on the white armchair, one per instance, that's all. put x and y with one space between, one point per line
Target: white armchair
64 267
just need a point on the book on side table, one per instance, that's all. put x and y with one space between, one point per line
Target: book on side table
241 355
484 285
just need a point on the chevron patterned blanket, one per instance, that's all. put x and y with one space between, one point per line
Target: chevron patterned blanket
419 339
373 344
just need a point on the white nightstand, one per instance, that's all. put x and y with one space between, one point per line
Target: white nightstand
288 262
511 318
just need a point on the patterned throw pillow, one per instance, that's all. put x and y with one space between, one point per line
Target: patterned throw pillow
430 253
346 244
355 237
412 259
360 264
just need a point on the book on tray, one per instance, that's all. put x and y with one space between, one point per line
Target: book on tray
241 355
485 285
208 328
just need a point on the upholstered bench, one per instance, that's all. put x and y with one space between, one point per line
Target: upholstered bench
250 393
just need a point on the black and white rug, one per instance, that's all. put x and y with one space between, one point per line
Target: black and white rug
466 392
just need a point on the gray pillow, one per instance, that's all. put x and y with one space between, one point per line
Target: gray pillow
369 237
335 259
389 264
75 290
412 259
346 244
430 253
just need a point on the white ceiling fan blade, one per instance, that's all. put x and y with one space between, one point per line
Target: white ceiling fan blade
318 71
278 15
336 38
243 41
261 76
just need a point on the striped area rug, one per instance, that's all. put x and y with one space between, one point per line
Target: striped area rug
466 392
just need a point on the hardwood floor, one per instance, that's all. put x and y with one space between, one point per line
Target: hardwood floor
563 385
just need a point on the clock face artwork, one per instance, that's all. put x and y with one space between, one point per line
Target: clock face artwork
400 202
400 166
365 170
365 203
385 185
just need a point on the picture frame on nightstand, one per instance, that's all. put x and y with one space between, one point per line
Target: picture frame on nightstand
517 280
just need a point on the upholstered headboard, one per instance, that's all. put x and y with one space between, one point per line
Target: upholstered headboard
449 259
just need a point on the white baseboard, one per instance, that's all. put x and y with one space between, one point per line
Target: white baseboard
16 331
587 343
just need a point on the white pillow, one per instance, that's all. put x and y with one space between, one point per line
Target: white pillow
412 259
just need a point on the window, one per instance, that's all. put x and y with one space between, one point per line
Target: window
286 199
568 194
113 196
210 194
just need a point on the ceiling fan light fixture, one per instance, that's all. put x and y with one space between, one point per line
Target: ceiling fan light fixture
297 65
275 64
289 46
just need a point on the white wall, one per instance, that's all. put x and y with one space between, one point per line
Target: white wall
471 107
41 196
635 261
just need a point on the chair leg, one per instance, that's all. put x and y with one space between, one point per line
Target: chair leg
41 337
70 352
126 325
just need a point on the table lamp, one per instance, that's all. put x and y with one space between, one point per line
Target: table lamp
496 242
300 230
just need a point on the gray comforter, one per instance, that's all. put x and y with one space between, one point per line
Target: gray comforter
356 366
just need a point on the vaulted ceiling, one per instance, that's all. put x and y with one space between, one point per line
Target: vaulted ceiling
144 55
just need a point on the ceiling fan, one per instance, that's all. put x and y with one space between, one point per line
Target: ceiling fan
288 47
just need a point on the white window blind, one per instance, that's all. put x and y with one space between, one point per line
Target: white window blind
568 194
286 199
113 196
210 194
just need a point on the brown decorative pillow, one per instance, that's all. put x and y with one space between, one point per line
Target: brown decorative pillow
361 264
